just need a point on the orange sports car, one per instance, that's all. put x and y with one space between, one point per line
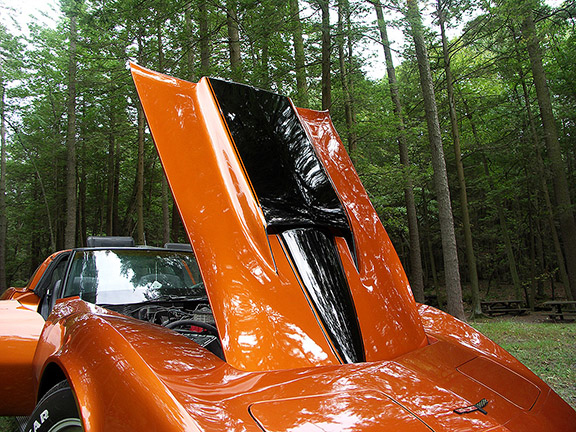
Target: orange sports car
299 316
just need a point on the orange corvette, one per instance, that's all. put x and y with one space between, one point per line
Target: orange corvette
308 322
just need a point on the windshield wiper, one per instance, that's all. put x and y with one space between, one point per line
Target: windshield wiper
172 297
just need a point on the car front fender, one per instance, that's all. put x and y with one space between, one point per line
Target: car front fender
114 387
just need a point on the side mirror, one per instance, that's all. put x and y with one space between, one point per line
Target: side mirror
25 296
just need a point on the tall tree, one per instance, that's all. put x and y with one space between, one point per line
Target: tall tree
469 243
140 234
234 39
71 8
299 54
324 6
345 74
9 49
544 186
3 220
204 34
165 190
565 210
455 304
111 189
416 273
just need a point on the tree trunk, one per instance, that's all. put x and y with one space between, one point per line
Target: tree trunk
71 194
326 66
82 228
110 194
176 223
204 38
3 225
416 273
82 225
234 39
499 208
544 185
140 237
190 36
344 15
562 192
533 263
431 260
470 256
115 210
165 210
165 192
455 305
299 56
505 235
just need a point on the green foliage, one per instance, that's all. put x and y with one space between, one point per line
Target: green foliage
488 60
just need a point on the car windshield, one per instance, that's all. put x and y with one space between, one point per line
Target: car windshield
133 276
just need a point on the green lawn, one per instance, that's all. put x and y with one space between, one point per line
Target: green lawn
548 349
7 424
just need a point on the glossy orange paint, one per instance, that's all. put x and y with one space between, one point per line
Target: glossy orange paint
26 295
259 305
382 296
170 383
353 410
258 309
281 372
423 364
20 329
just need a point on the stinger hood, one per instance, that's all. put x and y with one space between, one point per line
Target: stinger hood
297 264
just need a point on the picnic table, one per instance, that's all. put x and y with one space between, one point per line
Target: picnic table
561 309
503 307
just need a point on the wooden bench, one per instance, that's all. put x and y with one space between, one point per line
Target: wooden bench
561 310
503 307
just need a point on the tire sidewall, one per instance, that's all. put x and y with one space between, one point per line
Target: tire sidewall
57 404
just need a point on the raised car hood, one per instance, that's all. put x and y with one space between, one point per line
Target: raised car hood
297 265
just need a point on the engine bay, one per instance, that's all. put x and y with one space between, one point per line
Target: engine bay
190 318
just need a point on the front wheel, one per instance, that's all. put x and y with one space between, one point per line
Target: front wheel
56 412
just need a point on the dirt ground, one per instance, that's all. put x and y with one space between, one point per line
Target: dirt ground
528 317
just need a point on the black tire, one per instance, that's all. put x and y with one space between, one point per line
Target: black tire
56 412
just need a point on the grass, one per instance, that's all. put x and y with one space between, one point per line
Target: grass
8 424
548 349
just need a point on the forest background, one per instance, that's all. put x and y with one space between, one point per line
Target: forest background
466 147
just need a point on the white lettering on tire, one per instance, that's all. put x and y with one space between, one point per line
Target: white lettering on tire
43 417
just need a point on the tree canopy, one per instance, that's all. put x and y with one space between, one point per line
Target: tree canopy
78 160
